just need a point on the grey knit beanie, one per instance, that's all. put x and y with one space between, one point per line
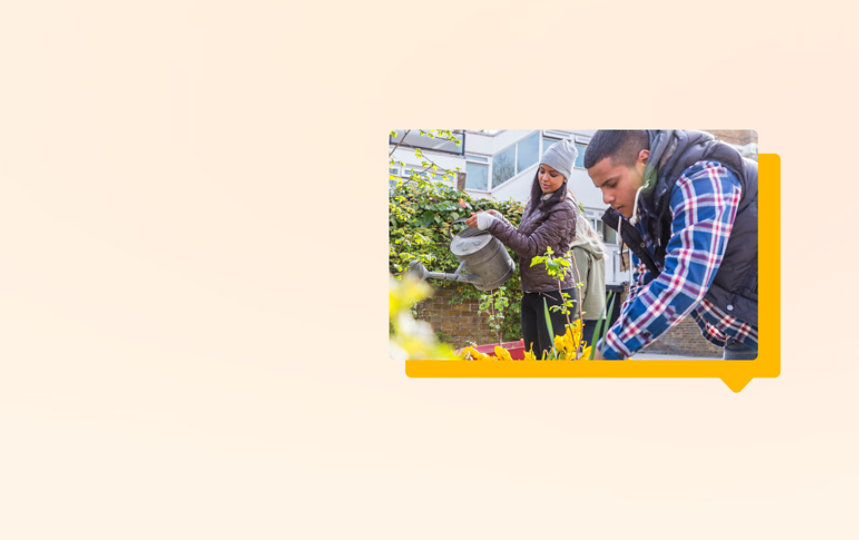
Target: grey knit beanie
561 156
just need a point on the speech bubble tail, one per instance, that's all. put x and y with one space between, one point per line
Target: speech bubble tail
736 383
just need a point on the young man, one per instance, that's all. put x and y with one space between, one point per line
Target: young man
686 205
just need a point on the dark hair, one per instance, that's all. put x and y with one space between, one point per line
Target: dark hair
536 199
622 146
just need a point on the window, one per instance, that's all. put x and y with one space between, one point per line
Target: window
427 175
606 233
528 152
476 176
580 159
609 235
502 166
414 138
515 159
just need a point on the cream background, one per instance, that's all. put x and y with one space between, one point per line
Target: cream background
193 338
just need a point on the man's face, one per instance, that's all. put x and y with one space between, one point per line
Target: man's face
619 183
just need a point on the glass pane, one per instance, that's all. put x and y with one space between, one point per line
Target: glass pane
502 166
418 173
610 235
476 176
580 159
529 150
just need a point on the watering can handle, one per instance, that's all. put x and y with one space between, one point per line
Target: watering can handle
454 222
473 231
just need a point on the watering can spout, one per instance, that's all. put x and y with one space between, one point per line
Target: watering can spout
417 268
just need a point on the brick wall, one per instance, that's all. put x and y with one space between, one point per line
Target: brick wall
684 339
459 323
734 136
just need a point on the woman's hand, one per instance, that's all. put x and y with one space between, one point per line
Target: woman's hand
481 220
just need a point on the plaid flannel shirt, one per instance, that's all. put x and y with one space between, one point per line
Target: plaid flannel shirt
703 206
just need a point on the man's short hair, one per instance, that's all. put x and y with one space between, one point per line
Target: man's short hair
621 145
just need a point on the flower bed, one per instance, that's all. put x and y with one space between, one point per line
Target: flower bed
516 349
566 347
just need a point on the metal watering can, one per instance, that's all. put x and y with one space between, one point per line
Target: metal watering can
483 261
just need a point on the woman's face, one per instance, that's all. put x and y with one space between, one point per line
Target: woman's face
550 179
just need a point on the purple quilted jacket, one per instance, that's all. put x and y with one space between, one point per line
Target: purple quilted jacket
553 227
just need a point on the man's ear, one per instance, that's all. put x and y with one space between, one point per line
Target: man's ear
643 155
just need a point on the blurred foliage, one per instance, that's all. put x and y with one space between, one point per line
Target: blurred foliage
411 339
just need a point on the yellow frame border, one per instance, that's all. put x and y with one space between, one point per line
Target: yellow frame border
736 374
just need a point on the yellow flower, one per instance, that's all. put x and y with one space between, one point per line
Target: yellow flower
470 353
561 345
404 293
529 354
586 353
575 331
412 339
501 353
568 343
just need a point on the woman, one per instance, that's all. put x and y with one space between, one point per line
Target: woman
589 253
549 220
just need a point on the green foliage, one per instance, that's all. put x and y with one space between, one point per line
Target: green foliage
556 267
420 222
421 215
495 304
549 324
602 323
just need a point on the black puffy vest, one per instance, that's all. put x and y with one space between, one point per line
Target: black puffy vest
735 287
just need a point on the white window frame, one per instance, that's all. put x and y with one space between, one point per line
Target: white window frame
515 146
479 159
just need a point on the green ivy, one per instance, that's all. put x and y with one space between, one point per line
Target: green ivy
421 217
